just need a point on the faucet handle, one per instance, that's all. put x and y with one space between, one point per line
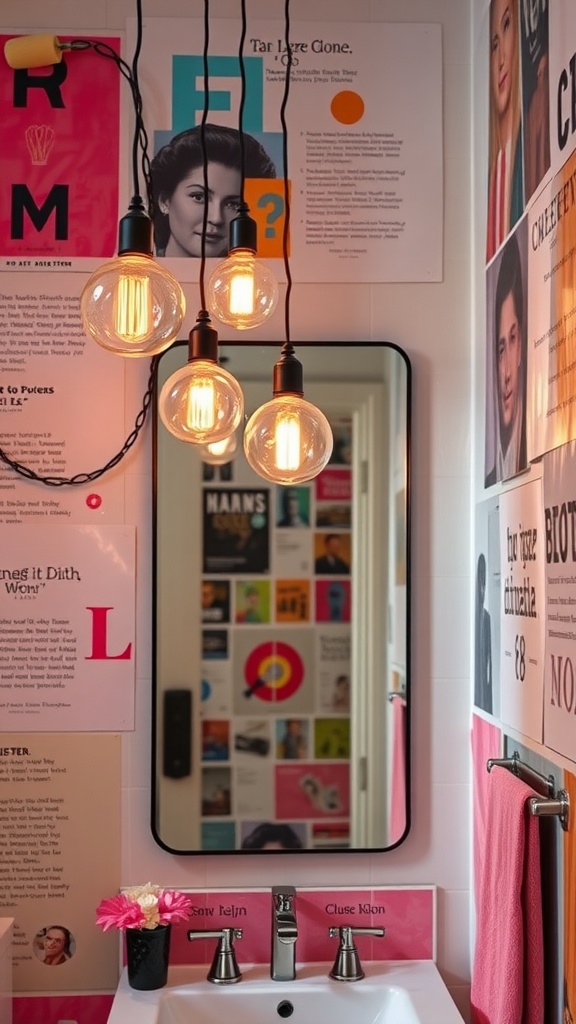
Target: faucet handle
347 966
224 969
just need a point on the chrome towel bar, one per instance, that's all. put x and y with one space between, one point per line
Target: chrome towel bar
552 804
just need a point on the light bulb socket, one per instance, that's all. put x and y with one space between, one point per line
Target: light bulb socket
243 231
288 375
203 339
135 230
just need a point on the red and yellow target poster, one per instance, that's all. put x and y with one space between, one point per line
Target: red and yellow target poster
274 671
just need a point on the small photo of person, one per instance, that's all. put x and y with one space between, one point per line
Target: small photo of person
177 172
505 152
215 601
342 450
216 791
341 694
332 600
482 642
291 739
293 506
252 601
535 101
273 835
505 451
332 554
54 945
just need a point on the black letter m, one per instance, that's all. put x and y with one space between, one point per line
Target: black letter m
57 199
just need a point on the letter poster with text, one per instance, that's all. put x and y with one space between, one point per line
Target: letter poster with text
560 683
366 195
67 599
523 614
60 144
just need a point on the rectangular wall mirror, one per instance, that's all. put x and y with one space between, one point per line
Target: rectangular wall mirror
281 626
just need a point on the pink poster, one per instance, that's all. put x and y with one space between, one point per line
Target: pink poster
313 791
59 163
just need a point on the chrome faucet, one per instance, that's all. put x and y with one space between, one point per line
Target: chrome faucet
284 934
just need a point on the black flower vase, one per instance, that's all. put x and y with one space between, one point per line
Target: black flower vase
147 956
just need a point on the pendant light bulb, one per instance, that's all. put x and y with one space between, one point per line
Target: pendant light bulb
131 305
288 440
242 291
201 402
218 453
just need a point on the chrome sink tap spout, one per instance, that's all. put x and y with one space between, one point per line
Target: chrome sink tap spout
284 934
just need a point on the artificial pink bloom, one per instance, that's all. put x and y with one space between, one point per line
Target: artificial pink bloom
143 907
119 912
173 906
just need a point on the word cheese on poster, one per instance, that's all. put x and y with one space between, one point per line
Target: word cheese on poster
559 521
522 631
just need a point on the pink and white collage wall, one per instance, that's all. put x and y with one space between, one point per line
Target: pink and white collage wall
75 593
525 539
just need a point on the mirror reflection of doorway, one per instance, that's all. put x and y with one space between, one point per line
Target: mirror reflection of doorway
302 599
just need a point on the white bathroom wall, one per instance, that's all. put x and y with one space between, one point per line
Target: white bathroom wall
432 322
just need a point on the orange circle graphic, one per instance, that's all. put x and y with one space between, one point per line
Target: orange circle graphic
347 107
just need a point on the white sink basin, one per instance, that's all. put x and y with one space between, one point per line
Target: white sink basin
393 992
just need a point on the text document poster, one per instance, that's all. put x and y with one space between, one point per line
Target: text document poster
560 683
67 621
364 142
523 613
60 855
63 409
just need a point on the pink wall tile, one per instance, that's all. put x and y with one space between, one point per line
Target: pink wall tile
52 1009
407 914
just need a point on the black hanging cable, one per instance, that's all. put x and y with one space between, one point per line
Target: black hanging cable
242 69
140 145
287 348
204 152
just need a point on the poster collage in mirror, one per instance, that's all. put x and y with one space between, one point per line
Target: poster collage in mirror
276 611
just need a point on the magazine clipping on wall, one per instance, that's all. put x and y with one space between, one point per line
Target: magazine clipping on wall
522 609
67 608
487 608
60 160
366 178
559 477
532 196
55 865
530 406
276 656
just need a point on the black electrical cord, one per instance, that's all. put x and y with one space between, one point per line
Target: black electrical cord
139 146
204 152
287 348
242 69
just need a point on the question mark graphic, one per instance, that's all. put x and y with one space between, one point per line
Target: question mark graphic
277 204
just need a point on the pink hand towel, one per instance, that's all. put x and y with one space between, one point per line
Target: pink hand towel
508 968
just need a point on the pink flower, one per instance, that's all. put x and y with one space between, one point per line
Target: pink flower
174 906
145 906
